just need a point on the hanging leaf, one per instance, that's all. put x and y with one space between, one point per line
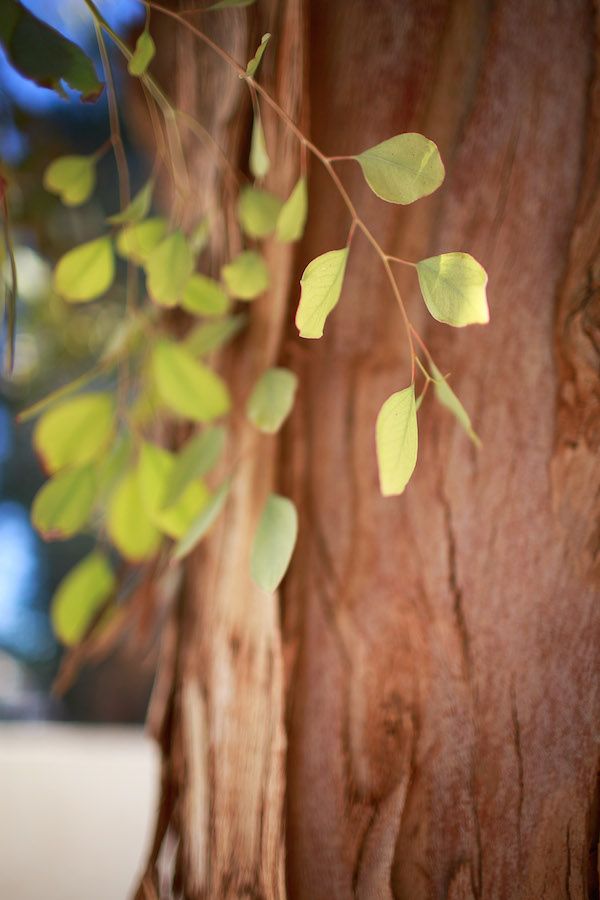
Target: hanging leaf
292 215
454 289
137 209
200 527
212 335
246 276
274 542
402 169
448 398
259 158
197 457
258 211
255 61
168 269
75 432
138 242
153 472
63 504
86 272
204 296
72 178
272 399
142 55
321 286
397 441
80 596
187 387
129 528
43 55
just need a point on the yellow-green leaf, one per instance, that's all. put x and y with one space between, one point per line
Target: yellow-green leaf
195 459
246 276
86 272
168 269
258 211
63 504
292 215
202 524
137 242
274 542
130 529
272 399
186 386
72 178
255 61
142 55
75 432
454 289
259 158
403 168
204 296
397 441
154 469
212 335
448 398
321 286
137 209
80 596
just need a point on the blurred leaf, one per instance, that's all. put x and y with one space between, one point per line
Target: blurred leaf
397 441
187 387
79 597
153 472
86 272
454 289
197 457
272 399
199 528
204 296
403 168
258 211
212 335
168 269
292 216
246 276
321 286
137 242
199 236
129 528
111 467
72 178
274 542
136 210
142 55
63 504
255 61
75 432
259 158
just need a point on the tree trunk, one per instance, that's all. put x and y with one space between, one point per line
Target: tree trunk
416 715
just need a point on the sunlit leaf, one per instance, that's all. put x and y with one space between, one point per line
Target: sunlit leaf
72 178
168 269
197 457
246 276
86 272
448 398
137 242
154 469
212 335
258 211
204 296
403 168
80 596
321 286
129 528
397 441
272 399
63 504
255 61
136 210
454 289
200 527
259 158
186 386
274 542
292 216
142 55
75 432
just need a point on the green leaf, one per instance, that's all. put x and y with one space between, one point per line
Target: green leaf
403 168
43 55
137 242
292 215
321 286
246 276
168 269
272 399
153 472
259 158
75 432
454 289
274 542
72 178
212 335
137 209
86 272
225 4
187 387
131 531
255 61
197 457
204 297
80 596
111 467
258 211
142 55
203 523
448 398
63 504
397 441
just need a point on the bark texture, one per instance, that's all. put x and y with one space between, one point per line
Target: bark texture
417 715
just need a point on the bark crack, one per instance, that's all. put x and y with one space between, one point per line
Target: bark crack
520 769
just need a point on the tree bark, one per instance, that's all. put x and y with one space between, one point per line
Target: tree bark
416 715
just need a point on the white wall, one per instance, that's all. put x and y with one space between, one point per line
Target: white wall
76 811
